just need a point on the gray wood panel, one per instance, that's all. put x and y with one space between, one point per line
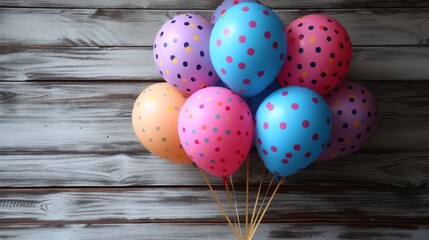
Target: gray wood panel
43 117
365 168
151 204
167 231
124 27
197 4
135 64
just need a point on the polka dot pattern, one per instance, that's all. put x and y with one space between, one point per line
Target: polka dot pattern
319 54
154 118
289 132
354 116
181 53
248 48
223 7
216 130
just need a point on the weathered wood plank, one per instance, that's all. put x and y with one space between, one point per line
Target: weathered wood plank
196 4
365 168
43 117
304 205
124 27
209 231
124 64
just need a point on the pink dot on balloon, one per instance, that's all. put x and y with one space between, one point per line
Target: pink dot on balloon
217 149
283 125
201 106
274 149
218 42
226 31
285 93
308 154
288 155
275 45
242 39
297 147
229 59
250 51
222 12
315 100
184 129
259 141
266 12
276 173
315 136
197 142
223 71
282 56
228 108
236 2
267 34
260 73
265 125
265 152
305 124
246 81
295 106
245 9
252 24
242 65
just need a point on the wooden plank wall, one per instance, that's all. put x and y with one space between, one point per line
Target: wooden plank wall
71 167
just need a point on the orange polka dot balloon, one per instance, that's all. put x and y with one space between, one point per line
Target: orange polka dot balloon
154 118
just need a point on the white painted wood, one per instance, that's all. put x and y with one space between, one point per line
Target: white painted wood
166 231
125 27
124 63
197 205
212 4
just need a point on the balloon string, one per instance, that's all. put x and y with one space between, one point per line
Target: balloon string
236 207
262 204
247 196
228 193
218 202
266 207
257 198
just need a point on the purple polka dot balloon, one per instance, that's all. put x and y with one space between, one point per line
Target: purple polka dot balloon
354 114
224 6
181 53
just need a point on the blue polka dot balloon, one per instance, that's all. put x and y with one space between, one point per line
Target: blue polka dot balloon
293 126
248 47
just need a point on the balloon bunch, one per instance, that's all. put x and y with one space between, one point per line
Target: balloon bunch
281 89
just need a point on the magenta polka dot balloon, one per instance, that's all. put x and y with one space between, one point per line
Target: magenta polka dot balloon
216 130
224 6
354 116
181 53
319 53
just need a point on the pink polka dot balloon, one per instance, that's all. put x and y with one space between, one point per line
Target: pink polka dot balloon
354 114
319 53
224 6
216 130
181 53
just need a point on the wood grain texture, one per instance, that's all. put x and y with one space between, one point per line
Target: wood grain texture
196 4
124 27
84 118
145 205
80 134
166 231
365 169
136 64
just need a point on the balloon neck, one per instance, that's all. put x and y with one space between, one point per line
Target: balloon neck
195 165
277 179
225 182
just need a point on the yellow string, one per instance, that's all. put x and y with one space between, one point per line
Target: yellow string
236 208
247 196
257 198
262 204
266 208
230 203
218 202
